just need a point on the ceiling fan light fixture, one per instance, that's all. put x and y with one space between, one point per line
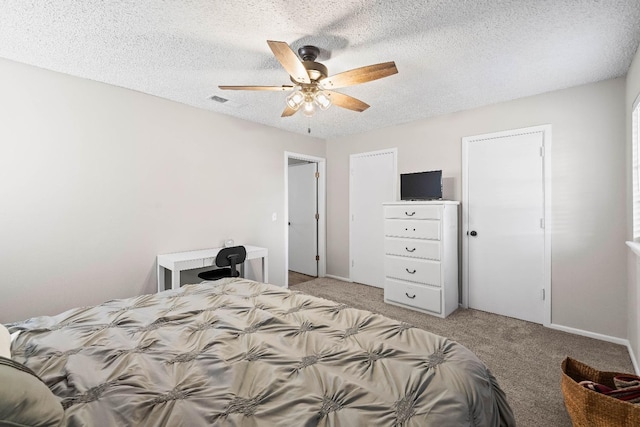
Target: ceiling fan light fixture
309 108
296 99
323 100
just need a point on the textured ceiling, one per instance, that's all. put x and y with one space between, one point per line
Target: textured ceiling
451 55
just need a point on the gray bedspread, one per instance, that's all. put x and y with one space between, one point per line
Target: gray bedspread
241 353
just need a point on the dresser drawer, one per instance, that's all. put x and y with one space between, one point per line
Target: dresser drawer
418 296
413 212
413 270
414 229
413 248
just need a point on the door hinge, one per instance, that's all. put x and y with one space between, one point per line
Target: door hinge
317 216
541 222
317 257
542 151
352 263
543 295
317 175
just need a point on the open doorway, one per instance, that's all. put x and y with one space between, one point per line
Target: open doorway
304 218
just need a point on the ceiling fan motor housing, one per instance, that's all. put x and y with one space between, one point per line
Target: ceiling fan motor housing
316 70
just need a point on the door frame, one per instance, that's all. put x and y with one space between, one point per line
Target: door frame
546 173
322 222
393 151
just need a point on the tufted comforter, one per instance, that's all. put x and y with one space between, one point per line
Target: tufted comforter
241 353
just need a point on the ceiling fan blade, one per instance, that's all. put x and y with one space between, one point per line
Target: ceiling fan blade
346 101
288 111
276 88
289 61
359 75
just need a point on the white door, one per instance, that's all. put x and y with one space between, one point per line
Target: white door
303 226
505 225
373 181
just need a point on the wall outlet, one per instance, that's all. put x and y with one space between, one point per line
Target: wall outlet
274 216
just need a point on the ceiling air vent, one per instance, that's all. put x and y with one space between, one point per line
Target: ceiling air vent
218 99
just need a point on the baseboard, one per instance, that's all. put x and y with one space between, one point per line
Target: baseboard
594 335
633 358
615 340
344 279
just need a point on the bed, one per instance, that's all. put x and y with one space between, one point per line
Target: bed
241 353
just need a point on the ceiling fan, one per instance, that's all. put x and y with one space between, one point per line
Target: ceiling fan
312 86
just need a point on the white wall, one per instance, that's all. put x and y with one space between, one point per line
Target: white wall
96 180
589 190
633 91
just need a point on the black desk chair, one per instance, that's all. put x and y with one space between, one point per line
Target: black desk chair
228 258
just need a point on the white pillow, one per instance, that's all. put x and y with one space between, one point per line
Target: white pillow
5 342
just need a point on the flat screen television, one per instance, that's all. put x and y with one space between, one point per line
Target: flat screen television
421 185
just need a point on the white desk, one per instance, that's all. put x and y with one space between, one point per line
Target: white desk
179 261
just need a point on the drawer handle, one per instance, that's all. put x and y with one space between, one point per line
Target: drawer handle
409 296
410 250
411 272
409 214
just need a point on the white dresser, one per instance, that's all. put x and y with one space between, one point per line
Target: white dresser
421 256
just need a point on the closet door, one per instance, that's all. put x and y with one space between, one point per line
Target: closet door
505 236
373 181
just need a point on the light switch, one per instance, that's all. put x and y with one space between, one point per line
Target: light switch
274 216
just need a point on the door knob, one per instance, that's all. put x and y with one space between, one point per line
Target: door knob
473 233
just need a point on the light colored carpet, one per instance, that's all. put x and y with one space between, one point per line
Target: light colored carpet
524 357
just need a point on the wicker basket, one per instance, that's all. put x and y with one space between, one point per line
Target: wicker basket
588 408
